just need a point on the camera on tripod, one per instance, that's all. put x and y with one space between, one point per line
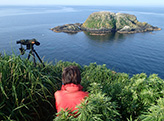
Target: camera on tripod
29 46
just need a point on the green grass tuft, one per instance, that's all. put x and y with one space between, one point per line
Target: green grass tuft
27 92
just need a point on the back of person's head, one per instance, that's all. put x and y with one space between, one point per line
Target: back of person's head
71 74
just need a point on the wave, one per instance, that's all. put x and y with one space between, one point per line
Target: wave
144 13
129 11
13 11
31 10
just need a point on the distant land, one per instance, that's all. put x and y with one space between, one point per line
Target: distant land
103 22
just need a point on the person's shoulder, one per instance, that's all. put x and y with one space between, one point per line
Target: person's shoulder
57 93
84 93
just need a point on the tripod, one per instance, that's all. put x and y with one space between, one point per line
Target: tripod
33 52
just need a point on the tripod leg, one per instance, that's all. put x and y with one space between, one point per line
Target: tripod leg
29 54
34 58
39 57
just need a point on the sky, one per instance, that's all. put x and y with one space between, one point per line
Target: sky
85 2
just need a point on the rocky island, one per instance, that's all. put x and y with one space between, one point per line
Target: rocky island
100 23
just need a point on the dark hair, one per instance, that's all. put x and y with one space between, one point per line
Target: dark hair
71 74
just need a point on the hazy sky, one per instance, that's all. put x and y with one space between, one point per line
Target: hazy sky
85 2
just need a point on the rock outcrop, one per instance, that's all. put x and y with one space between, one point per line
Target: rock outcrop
104 22
68 28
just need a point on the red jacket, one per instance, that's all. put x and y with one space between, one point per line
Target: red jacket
69 96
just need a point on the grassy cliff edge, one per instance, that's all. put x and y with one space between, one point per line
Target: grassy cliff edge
26 92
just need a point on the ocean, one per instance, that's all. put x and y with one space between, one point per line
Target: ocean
128 53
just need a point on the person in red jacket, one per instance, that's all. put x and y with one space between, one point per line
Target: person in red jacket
71 93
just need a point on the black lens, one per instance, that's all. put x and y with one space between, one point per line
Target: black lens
37 43
18 42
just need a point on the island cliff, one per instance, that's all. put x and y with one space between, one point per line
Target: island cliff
104 22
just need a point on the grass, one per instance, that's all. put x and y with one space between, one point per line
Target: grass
27 92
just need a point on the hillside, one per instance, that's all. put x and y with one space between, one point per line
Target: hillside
27 93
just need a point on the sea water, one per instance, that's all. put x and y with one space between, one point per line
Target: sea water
129 53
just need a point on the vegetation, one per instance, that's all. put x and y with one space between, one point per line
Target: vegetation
26 93
101 20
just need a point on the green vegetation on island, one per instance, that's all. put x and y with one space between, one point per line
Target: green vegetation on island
100 20
104 22
27 93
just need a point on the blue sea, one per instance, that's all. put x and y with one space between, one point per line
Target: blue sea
129 53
